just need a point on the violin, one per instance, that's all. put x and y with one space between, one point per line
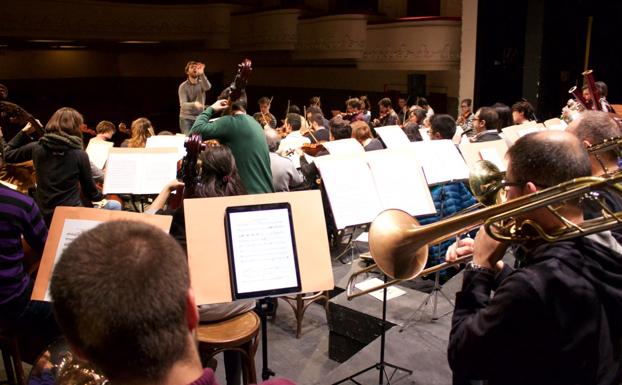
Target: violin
312 149
86 130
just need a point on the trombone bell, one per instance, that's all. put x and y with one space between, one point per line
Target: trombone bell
391 247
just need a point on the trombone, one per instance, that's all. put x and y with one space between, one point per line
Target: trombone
399 245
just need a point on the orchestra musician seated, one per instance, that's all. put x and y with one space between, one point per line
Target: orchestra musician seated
128 307
387 117
413 124
362 133
284 173
556 319
485 123
319 133
294 139
465 118
32 322
63 167
592 128
105 131
522 112
449 198
264 116
141 131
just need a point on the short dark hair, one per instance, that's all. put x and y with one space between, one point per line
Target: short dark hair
105 126
65 120
444 124
491 117
239 105
263 100
339 128
354 103
422 102
385 102
315 109
188 65
525 107
548 158
595 127
420 114
123 303
294 120
317 118
293 109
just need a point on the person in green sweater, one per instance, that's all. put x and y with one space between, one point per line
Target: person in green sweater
245 138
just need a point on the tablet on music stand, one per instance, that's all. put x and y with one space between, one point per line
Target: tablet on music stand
261 247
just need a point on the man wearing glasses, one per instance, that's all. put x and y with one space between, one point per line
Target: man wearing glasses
556 319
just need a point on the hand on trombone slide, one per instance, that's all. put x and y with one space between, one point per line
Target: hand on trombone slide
486 251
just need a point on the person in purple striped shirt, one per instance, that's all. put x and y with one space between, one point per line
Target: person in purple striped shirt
32 321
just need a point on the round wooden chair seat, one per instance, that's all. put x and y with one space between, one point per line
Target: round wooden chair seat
238 334
230 333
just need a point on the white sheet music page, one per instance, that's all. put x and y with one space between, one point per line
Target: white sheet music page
400 182
72 228
157 170
140 170
97 151
492 155
121 173
168 141
350 188
344 147
263 250
441 161
393 136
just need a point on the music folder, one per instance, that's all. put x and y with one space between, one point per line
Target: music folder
492 151
261 249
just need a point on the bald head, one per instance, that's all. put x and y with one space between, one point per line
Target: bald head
548 158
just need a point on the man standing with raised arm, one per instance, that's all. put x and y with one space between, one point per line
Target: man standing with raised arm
192 95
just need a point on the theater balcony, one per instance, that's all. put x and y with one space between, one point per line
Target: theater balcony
331 37
414 43
274 30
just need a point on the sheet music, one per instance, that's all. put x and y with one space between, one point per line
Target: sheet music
263 250
400 182
97 151
441 161
140 171
528 130
351 189
491 155
168 141
72 228
122 174
393 136
392 291
344 147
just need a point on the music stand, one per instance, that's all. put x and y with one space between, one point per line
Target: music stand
207 249
382 364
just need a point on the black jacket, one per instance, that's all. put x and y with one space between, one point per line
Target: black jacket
59 174
557 320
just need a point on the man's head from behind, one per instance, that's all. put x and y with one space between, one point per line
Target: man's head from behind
594 127
443 126
122 296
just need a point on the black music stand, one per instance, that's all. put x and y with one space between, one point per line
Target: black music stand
438 288
263 307
382 365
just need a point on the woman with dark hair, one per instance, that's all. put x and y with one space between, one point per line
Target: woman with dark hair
63 168
141 131
505 115
219 178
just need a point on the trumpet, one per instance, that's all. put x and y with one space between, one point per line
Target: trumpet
399 245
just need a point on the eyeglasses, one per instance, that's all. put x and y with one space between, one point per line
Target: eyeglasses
505 184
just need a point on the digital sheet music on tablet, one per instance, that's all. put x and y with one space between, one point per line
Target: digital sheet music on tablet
262 250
